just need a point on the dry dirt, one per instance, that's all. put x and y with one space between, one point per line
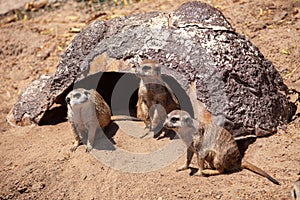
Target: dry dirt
36 163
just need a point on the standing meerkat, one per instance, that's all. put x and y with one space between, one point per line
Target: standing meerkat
155 98
296 190
211 143
88 112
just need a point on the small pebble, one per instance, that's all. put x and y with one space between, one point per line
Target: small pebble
7 163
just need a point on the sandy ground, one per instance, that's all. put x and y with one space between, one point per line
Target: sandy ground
36 163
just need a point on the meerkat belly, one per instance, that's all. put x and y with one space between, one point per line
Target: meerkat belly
84 115
157 97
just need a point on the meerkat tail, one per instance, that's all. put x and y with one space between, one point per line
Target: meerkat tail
124 117
255 169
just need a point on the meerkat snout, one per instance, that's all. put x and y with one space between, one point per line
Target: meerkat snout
171 122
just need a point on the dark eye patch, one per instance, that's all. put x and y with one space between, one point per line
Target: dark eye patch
77 95
146 68
174 119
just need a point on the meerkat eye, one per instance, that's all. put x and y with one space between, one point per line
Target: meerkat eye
174 119
77 95
146 68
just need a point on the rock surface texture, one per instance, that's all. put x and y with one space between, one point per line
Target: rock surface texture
195 43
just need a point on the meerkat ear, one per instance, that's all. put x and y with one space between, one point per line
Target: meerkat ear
138 68
68 100
136 63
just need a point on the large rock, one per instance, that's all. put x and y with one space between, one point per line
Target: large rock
197 46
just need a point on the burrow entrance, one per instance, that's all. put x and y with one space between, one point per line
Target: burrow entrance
119 90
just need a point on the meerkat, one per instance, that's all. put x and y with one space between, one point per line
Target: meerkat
296 190
212 144
88 112
155 98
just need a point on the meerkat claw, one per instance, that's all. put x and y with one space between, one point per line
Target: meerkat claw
88 149
73 148
182 168
199 173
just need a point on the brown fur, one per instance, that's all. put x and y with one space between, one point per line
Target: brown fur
212 144
153 94
88 112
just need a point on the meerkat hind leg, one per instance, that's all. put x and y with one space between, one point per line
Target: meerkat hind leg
201 162
214 162
93 129
211 172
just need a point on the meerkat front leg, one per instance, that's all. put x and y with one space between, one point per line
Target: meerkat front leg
143 111
189 156
214 161
77 137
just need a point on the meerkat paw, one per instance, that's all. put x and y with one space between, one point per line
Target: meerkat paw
160 134
144 135
75 146
147 133
199 173
184 167
88 149
147 127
